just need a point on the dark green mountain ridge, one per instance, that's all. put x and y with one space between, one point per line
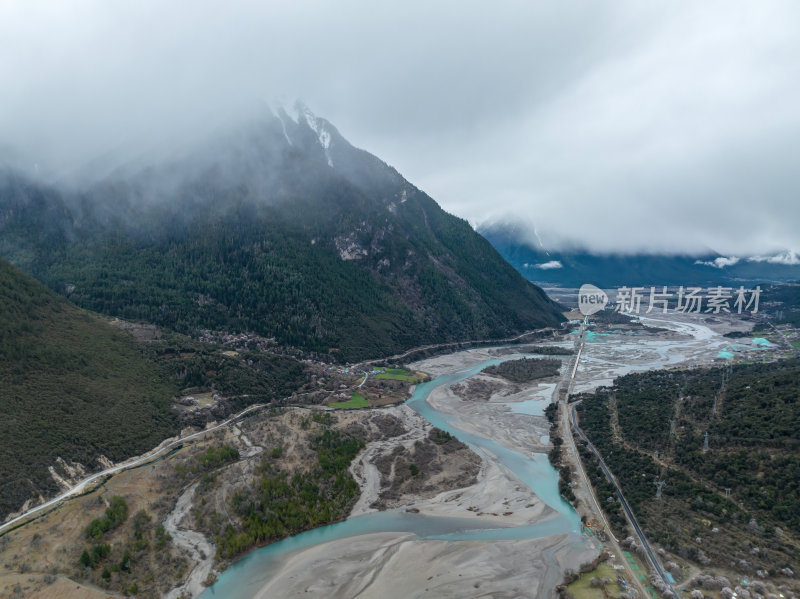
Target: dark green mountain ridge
282 228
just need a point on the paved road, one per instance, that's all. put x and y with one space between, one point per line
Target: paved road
81 486
570 444
631 518
571 450
450 343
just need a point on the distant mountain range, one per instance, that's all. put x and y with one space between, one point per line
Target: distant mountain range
280 227
572 268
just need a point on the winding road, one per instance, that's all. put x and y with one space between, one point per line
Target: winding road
138 461
158 452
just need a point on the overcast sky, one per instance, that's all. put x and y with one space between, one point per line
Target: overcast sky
668 126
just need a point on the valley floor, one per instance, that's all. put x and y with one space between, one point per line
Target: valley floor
40 559
403 565
455 483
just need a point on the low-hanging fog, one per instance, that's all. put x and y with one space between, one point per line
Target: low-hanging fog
659 126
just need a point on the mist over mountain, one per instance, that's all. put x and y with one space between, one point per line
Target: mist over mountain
571 266
633 127
279 226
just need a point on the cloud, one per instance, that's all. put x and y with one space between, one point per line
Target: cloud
788 258
664 126
720 262
553 264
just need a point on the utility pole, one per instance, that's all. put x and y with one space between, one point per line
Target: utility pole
727 492
659 485
705 443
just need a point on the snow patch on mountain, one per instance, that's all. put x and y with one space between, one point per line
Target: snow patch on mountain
318 127
285 133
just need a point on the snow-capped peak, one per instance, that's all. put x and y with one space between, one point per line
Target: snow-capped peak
317 126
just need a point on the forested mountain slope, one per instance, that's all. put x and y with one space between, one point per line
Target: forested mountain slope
72 387
281 228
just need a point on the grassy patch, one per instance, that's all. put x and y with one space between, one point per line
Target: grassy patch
358 401
398 374
114 516
204 399
582 589
213 457
397 377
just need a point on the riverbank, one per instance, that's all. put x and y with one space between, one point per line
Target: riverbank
502 422
417 481
396 564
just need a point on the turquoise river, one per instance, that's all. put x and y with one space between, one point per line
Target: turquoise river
246 576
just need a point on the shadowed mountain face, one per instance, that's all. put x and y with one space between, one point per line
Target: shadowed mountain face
73 388
282 228
572 268
76 387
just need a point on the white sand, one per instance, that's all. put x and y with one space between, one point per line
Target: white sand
392 565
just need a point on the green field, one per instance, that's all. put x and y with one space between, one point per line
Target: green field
397 374
358 401
406 378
